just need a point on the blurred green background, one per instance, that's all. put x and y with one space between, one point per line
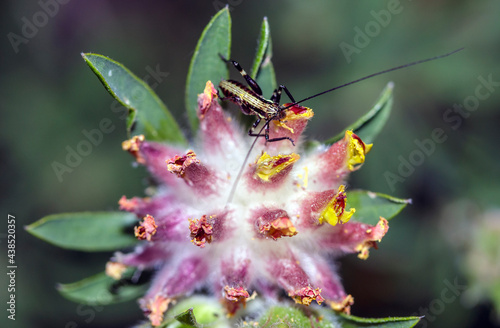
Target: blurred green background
49 96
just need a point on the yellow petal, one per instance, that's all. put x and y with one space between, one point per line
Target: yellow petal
335 211
269 166
356 150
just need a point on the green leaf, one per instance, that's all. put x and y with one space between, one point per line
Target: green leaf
350 321
86 231
187 318
262 44
290 316
196 311
206 64
148 115
262 69
370 124
101 290
284 316
371 205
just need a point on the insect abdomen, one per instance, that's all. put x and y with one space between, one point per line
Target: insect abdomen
247 98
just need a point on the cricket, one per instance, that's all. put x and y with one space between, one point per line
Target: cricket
252 102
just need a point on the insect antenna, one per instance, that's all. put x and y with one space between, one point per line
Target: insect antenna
238 177
372 75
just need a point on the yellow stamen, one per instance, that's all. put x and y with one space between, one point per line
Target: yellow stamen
378 232
157 308
356 150
146 229
344 305
279 228
293 114
335 212
270 166
133 146
115 270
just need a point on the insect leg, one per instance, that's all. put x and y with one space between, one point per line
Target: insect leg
266 134
223 98
254 125
276 139
276 97
287 92
251 82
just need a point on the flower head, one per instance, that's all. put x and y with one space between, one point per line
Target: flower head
287 215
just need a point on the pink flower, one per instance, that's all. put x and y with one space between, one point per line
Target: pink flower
287 216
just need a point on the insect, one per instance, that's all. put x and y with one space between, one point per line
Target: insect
252 102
